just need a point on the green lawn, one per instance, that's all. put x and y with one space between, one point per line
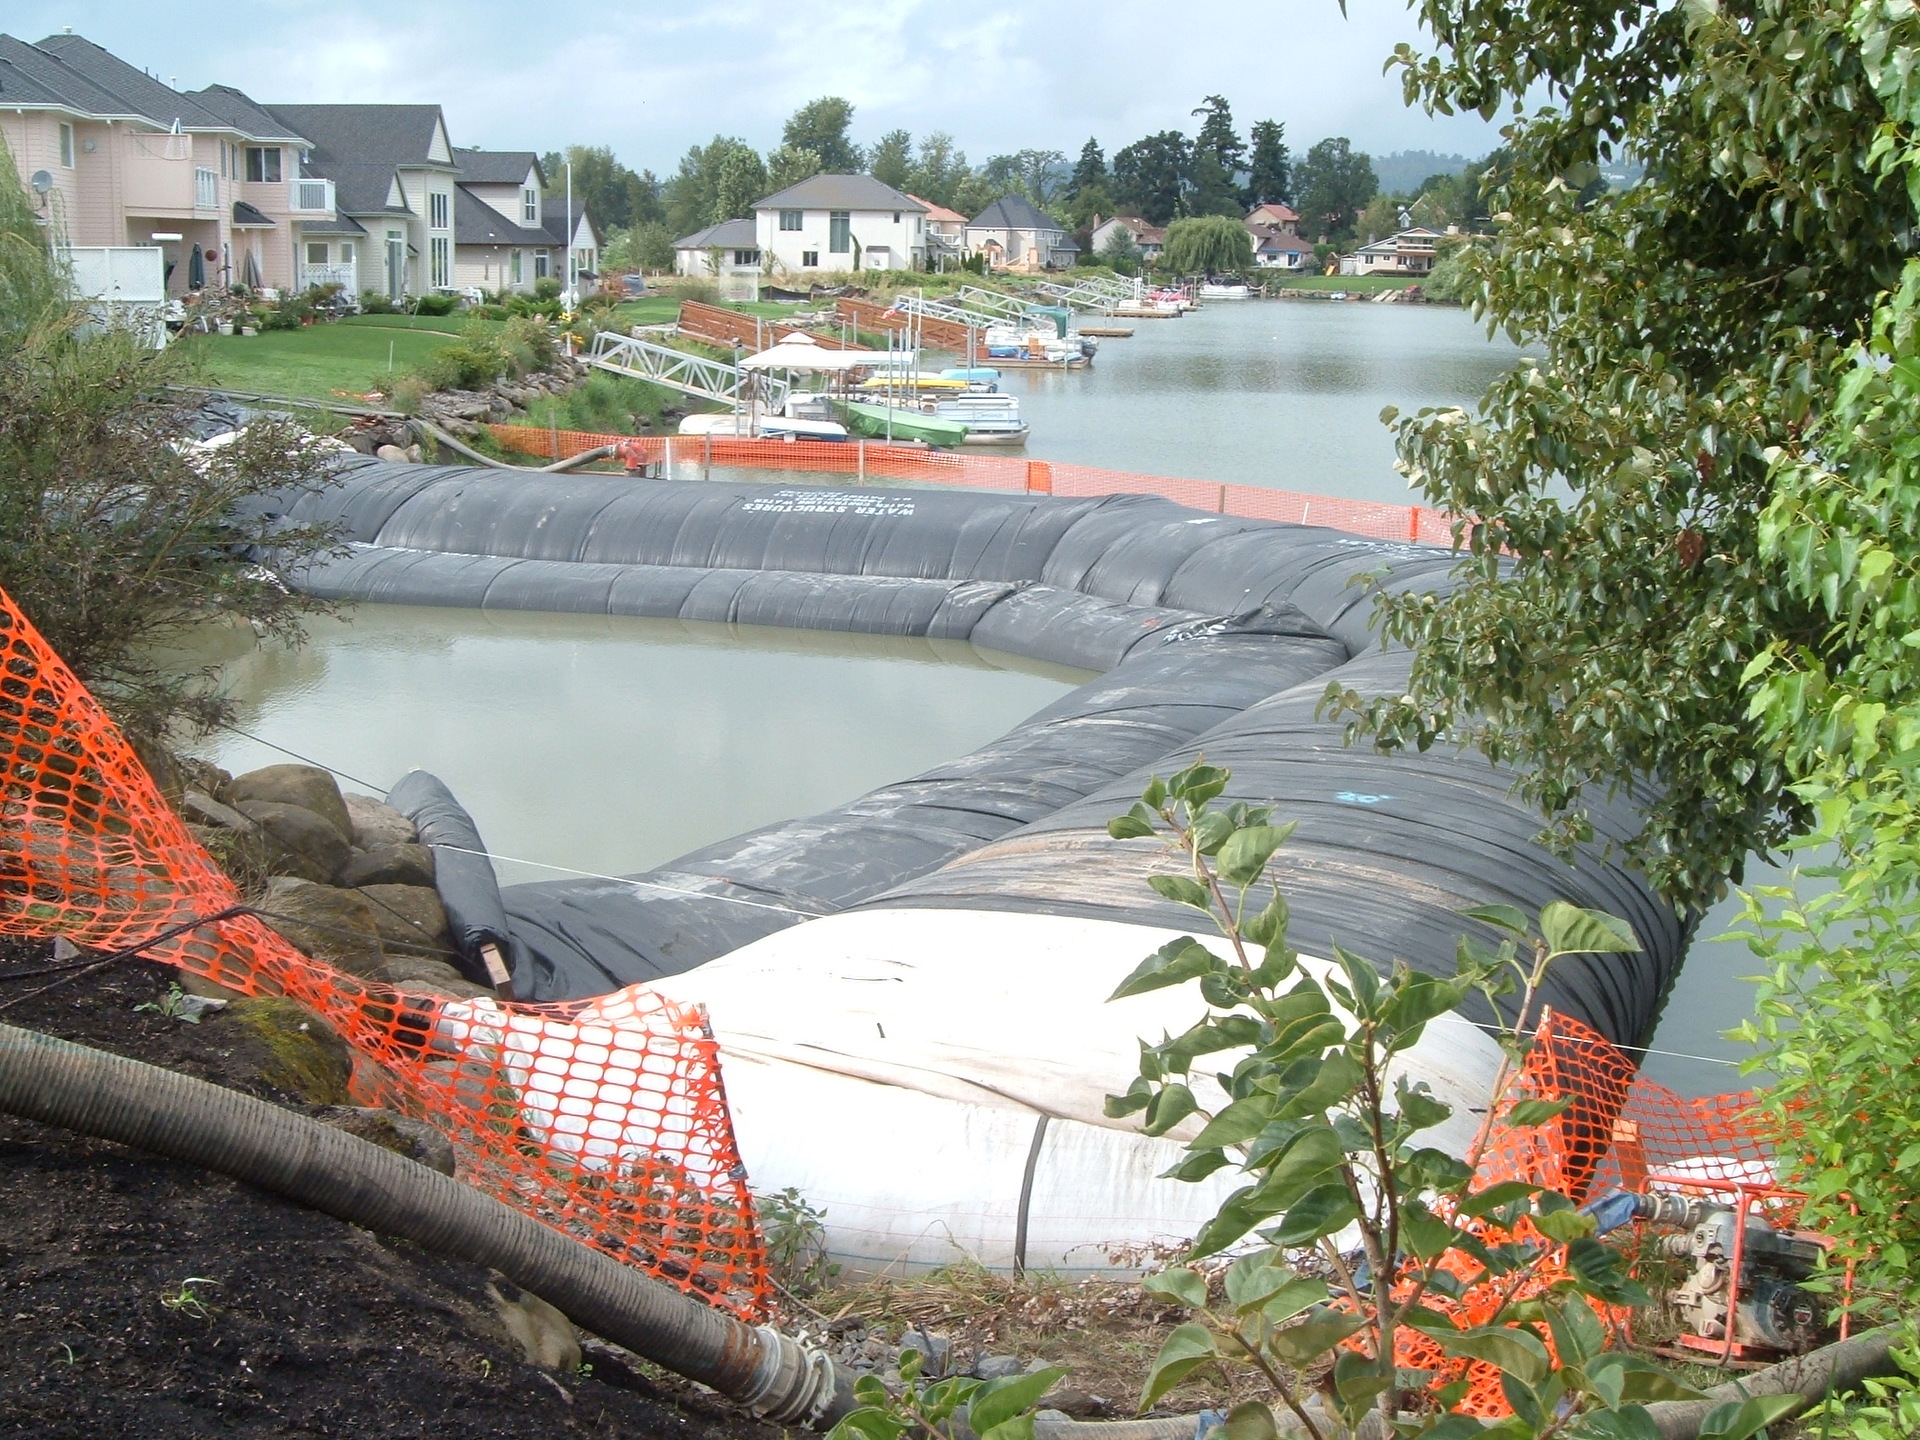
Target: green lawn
1352 284
444 324
659 309
323 362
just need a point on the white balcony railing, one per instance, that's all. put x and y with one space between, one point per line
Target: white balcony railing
347 277
310 197
206 188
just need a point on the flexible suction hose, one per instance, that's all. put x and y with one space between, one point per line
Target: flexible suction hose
168 1114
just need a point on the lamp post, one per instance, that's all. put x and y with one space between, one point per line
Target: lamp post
567 226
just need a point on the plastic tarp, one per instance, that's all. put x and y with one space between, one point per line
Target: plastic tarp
1212 635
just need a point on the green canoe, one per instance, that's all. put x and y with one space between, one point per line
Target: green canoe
873 421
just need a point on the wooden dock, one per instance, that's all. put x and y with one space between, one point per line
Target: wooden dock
1141 312
1106 332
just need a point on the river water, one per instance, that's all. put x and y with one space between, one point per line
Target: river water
611 745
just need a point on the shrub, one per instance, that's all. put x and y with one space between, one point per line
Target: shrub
527 343
546 288
467 364
374 302
439 304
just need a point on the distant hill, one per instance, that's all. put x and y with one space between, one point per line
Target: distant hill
1401 172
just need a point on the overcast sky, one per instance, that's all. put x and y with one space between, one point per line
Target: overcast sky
651 79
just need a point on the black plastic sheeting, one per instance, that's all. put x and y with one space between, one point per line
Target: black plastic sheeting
1215 636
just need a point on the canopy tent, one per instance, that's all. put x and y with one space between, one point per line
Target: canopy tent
802 352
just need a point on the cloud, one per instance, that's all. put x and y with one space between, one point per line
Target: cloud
650 79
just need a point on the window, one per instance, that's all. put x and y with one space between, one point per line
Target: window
529 206
316 252
540 265
809 259
437 210
263 164
840 232
440 250
790 219
746 257
66 145
896 217
346 252
515 262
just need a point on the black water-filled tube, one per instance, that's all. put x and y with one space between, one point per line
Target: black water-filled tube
1214 635
908 990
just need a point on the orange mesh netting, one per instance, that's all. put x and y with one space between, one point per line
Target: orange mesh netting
611 1128
695 456
1621 1131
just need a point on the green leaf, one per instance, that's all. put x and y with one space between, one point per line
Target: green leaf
1167 1109
1173 963
1578 1335
1250 1420
870 1423
1001 1400
1512 1351
1504 917
1484 1202
1637 1381
1569 930
1357 1380
1598 1270
1536 1112
1303 1344
1453 1427
1125 827
1423 1232
1296 1297
1020 1427
1180 888
1196 1167
1244 856
1237 1124
1188 1348
1310 1154
1418 1109
1737 1420
1565 1226
1630 1422
1187 1287
1323 1210
1233 1219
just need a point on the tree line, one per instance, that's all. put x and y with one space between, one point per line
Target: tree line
1159 178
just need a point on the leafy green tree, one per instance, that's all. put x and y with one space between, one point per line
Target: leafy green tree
890 160
938 171
119 538
741 180
693 194
821 126
1207 245
788 166
1682 335
1153 176
1270 175
1121 252
1334 182
1220 185
613 193
1040 175
1089 171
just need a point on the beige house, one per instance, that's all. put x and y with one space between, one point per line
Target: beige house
1410 253
1013 235
117 158
500 240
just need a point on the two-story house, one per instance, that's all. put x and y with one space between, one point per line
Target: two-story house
500 240
117 158
1149 240
1272 215
1409 252
578 238
946 232
396 178
1014 235
840 222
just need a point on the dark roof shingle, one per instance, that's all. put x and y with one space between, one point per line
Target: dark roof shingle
496 167
727 235
1013 212
477 223
840 192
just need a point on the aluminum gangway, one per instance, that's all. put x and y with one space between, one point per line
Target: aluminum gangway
1095 293
940 310
689 374
993 302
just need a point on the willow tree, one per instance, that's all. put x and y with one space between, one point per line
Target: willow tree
1207 245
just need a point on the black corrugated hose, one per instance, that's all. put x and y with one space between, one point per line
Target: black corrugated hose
168 1114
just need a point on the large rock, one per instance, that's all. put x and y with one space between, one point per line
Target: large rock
307 786
377 824
290 1048
415 1139
389 865
546 1337
417 975
410 919
330 924
298 840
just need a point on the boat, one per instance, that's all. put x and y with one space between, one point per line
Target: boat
1212 291
1019 343
979 378
913 380
896 422
761 426
990 418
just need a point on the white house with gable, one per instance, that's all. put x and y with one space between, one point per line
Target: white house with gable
841 222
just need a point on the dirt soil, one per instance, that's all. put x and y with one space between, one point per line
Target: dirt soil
140 1297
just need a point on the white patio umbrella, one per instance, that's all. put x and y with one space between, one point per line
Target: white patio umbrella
803 352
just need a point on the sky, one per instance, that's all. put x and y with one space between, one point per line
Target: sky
651 79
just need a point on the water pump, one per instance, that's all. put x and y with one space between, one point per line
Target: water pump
1772 1312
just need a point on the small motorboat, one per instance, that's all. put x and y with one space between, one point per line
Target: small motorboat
762 426
900 422
1212 291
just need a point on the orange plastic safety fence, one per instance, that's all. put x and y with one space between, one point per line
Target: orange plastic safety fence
696 456
612 1128
1619 1131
